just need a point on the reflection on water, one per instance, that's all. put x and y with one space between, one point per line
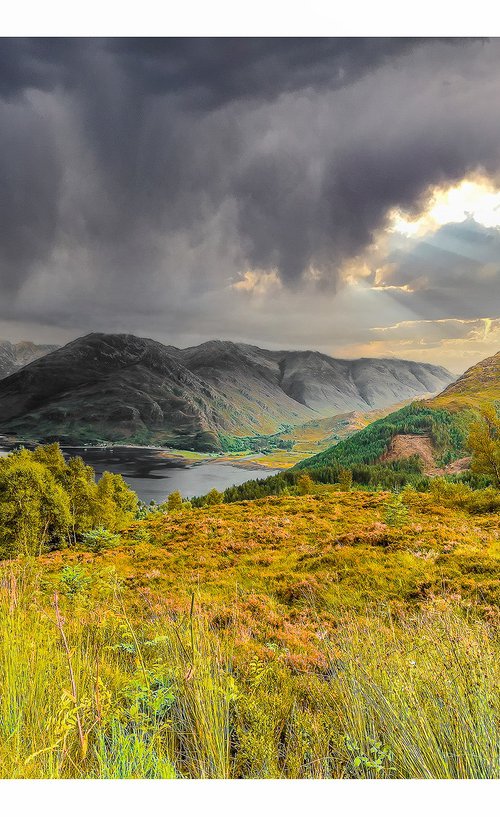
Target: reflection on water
153 473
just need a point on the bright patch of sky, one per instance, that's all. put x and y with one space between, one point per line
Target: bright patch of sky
478 200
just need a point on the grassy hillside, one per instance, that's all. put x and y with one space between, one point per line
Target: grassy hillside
362 454
445 419
333 633
315 636
302 441
448 431
443 422
477 386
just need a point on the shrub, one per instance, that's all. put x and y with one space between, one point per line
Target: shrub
100 539
74 579
174 501
485 501
305 485
396 512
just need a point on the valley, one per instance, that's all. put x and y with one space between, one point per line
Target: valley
336 617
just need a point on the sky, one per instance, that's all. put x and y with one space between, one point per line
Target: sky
332 194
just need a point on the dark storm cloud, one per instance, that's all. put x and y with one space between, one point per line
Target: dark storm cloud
140 174
137 105
201 72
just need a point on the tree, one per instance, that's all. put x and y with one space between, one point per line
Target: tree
116 503
396 512
34 509
174 501
214 497
46 502
484 443
345 479
80 485
52 457
305 485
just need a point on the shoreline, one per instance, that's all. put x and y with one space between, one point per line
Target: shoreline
182 457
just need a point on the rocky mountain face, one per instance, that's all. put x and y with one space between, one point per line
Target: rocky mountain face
119 387
316 381
15 355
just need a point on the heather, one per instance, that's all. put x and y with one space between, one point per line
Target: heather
339 633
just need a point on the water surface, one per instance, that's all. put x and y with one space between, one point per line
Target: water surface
155 473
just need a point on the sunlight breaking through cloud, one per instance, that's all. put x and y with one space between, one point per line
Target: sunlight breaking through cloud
477 199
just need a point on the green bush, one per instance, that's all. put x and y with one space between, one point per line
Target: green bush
100 539
396 512
74 579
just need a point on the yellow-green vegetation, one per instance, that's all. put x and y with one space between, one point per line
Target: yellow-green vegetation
322 631
446 419
316 436
46 502
484 441
478 387
188 455
348 634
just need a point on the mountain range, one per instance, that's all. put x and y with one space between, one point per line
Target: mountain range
122 387
15 355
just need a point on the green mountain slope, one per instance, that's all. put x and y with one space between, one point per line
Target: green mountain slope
444 419
447 431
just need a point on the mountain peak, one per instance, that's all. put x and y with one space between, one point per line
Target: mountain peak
15 355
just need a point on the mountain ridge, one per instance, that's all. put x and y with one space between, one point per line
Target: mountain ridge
119 387
482 379
15 355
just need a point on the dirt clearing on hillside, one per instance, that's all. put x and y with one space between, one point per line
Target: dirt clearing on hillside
420 445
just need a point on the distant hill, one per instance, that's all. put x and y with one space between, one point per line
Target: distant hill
321 383
105 387
15 355
121 387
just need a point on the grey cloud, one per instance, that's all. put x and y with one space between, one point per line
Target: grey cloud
200 72
142 175
454 272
